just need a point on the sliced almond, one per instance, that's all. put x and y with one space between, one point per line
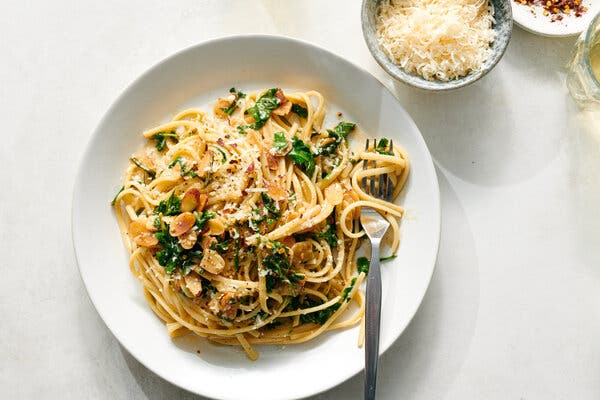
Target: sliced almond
221 104
193 284
334 194
285 106
182 223
228 304
190 199
188 239
212 262
215 227
204 164
275 191
202 200
140 234
207 241
272 162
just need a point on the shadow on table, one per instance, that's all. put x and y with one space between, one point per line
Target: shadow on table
483 133
153 386
435 345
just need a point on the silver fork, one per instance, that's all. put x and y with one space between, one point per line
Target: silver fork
375 226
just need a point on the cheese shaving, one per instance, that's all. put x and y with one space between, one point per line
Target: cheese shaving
437 39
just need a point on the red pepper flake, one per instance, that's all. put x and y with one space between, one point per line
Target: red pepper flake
556 9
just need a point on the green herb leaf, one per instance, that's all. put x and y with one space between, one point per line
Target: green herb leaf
363 264
172 256
184 170
114 200
261 110
201 220
171 206
280 142
270 204
302 156
347 290
239 95
319 317
330 235
339 134
277 263
382 146
151 173
161 139
300 111
223 154
236 254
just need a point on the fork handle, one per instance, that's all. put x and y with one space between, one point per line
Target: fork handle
373 317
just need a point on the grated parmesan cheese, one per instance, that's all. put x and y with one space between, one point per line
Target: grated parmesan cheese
437 39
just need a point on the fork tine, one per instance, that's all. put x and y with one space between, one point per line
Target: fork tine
382 186
372 178
364 180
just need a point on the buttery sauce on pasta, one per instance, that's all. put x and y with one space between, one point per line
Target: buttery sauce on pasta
242 224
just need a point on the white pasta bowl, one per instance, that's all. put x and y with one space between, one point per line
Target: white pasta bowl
194 77
502 27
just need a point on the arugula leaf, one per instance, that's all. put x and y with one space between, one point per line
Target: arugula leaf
362 264
270 204
382 146
151 173
184 170
319 317
330 235
384 259
114 200
171 206
300 111
339 134
302 156
201 220
221 247
172 255
347 290
277 263
261 110
161 139
223 155
280 142
239 95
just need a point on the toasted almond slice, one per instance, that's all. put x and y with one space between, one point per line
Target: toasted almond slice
334 194
272 162
228 305
204 164
275 191
285 106
190 199
182 223
215 226
207 241
188 239
221 104
212 262
193 284
140 234
202 200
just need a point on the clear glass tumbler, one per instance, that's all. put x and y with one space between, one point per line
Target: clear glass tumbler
583 85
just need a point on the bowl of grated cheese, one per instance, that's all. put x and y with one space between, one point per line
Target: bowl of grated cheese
437 44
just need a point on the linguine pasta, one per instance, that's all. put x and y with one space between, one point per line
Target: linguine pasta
242 224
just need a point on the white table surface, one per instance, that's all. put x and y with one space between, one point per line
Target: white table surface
513 311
